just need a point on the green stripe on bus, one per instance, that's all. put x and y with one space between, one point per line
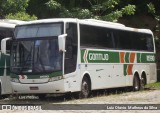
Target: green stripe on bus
147 58
4 59
127 57
125 69
54 74
138 58
99 57
95 56
82 55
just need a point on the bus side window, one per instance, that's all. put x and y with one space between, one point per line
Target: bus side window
109 38
71 48
149 42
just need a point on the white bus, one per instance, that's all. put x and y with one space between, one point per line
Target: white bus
72 55
6 30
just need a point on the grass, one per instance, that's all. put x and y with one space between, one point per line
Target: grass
153 85
157 84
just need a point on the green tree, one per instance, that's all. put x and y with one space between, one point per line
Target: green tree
109 10
12 6
98 9
21 16
39 8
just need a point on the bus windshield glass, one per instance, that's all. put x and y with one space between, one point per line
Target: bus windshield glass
35 49
35 56
38 30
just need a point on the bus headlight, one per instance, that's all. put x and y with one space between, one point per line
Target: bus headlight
55 78
15 80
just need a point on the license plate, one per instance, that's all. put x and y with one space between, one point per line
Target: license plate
34 88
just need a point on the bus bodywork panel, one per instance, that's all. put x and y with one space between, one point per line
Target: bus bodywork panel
111 76
50 87
116 69
60 86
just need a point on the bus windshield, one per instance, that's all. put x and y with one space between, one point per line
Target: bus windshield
35 56
35 48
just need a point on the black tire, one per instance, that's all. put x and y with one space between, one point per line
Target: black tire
143 83
136 84
85 88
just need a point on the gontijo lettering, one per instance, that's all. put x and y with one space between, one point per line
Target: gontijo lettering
98 56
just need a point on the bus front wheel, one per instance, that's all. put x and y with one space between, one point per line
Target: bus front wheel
85 89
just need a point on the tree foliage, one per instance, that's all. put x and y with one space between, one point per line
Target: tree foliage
12 6
108 10
21 16
97 9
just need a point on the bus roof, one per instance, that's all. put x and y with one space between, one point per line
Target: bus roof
92 22
7 23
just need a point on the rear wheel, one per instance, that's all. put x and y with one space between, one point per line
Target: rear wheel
143 83
136 84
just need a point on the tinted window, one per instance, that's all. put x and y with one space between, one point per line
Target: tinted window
122 39
99 37
96 37
71 48
133 41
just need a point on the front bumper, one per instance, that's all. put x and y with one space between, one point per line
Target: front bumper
40 88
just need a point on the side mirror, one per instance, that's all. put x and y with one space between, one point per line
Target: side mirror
61 42
3 44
